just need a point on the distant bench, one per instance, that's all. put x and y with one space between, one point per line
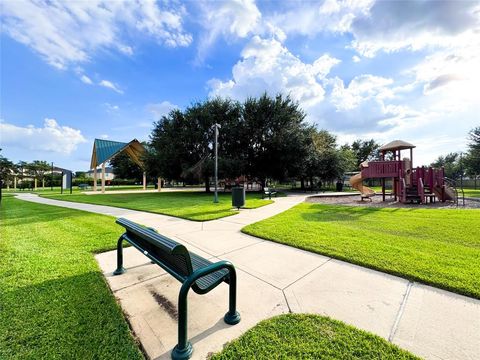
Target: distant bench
192 270
83 186
269 192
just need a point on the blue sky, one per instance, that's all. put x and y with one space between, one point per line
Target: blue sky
78 70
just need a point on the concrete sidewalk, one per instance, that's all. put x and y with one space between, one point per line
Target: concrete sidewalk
275 279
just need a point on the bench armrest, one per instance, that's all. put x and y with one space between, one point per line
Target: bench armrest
192 278
223 264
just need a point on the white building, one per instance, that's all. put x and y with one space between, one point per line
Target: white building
108 173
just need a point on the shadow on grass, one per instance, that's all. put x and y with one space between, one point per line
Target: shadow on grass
74 317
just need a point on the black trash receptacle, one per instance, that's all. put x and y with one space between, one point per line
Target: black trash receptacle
238 197
339 185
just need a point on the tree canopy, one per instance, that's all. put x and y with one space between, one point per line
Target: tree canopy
262 138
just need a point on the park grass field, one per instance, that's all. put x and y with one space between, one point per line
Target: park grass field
472 193
197 206
301 336
54 301
439 247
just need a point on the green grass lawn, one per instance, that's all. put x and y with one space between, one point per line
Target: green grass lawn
75 190
300 336
196 206
54 301
439 247
472 193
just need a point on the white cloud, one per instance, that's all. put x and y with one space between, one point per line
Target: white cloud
160 109
312 18
394 25
85 79
108 84
52 137
111 108
104 136
70 32
268 66
231 19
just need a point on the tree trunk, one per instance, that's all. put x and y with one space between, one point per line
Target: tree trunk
207 184
302 184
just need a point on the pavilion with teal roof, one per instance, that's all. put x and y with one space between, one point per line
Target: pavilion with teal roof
105 150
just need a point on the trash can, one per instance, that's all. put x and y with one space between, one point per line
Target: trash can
238 197
339 185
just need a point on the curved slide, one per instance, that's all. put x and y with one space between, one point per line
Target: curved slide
357 183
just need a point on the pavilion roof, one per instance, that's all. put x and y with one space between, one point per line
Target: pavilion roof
396 145
104 150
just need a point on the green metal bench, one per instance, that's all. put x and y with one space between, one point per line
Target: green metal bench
83 186
269 192
193 271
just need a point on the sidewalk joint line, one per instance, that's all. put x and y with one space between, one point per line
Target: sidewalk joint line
400 311
258 278
241 248
308 273
286 300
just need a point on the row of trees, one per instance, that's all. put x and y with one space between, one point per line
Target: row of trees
262 138
36 170
463 164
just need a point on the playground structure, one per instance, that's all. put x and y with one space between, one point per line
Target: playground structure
421 184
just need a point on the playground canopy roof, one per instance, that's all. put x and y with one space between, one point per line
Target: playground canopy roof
104 150
396 145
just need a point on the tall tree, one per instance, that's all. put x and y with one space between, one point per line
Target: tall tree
451 163
365 150
472 159
275 142
6 169
39 169
125 168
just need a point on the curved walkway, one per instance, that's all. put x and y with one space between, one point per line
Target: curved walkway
275 279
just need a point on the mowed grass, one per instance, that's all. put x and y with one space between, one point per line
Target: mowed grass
197 206
472 193
54 301
439 247
301 336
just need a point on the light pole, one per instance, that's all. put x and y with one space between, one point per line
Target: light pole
51 180
217 127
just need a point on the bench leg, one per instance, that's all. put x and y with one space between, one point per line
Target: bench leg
232 317
120 269
184 349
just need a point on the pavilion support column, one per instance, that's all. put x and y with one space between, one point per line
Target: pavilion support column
103 178
144 180
95 179
159 184
35 181
14 183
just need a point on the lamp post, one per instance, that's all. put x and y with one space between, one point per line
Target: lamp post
217 127
51 180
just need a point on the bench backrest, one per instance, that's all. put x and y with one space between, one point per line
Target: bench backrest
170 255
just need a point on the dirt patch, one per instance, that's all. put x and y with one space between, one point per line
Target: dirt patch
354 200
164 303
